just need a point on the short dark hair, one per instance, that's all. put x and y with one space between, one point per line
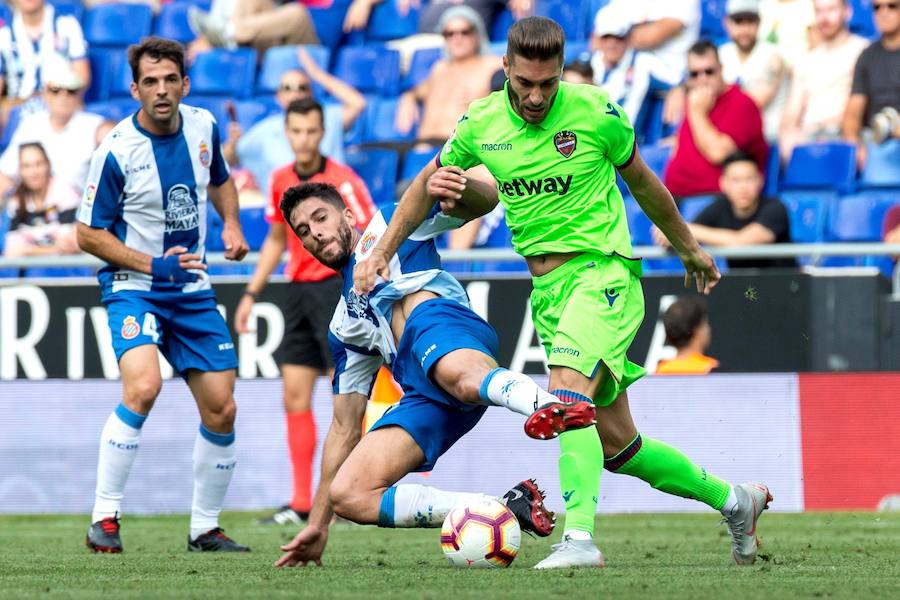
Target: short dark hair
582 67
682 319
701 47
535 38
738 156
304 106
294 196
156 49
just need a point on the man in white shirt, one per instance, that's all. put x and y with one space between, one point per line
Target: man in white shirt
754 65
35 35
68 133
614 63
822 79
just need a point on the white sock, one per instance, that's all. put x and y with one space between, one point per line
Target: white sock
118 447
730 503
515 391
577 534
214 461
413 505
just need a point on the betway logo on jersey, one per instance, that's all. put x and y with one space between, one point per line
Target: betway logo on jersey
529 187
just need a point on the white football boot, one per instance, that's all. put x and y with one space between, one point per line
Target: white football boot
752 500
571 553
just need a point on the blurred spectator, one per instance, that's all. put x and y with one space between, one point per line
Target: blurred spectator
463 76
754 64
720 119
259 24
41 210
788 25
875 95
822 78
264 146
153 4
35 37
578 71
741 217
68 134
890 228
357 16
687 329
614 63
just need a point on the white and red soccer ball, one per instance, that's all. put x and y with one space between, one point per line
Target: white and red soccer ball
482 535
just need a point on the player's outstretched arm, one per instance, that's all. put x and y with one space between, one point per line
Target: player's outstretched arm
225 198
343 435
655 200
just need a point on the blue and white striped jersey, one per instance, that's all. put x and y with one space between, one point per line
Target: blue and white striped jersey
150 191
360 332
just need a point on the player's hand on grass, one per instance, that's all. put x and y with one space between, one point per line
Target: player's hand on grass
242 314
175 265
307 546
366 271
701 268
236 247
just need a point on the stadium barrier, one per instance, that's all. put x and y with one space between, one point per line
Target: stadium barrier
820 441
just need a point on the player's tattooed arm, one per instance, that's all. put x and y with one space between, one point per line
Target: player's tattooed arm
342 438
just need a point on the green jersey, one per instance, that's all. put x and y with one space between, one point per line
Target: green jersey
556 179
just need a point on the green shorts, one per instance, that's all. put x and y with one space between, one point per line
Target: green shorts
586 313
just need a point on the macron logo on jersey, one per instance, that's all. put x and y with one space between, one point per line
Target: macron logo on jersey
529 187
495 147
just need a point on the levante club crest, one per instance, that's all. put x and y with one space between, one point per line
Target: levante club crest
565 142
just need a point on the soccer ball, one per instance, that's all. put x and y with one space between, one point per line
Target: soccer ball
481 535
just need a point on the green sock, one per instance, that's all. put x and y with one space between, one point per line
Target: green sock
667 469
580 465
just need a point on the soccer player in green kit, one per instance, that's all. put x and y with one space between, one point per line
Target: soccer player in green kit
554 149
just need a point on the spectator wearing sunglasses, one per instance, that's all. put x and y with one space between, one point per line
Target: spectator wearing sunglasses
719 120
67 133
875 94
264 147
462 76
755 65
822 80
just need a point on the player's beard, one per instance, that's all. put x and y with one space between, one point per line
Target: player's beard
345 243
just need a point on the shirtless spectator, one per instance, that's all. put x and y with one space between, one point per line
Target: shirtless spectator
258 24
35 37
822 80
875 96
754 64
357 16
67 133
463 76
264 147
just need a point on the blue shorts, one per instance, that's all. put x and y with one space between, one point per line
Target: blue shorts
188 328
434 418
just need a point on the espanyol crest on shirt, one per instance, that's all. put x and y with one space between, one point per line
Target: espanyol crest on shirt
204 154
565 142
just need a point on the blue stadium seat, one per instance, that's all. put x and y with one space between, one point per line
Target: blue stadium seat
497 48
217 105
575 49
711 17
36 272
808 213
370 69
214 227
5 14
568 14
858 218
693 206
100 60
329 22
415 161
773 172
279 59
114 109
657 157
829 165
386 22
497 30
420 66
882 167
378 168
222 72
639 224
885 264
862 21
120 76
380 123
117 24
172 22
250 112
253 222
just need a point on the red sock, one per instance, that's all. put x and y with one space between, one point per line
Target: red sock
301 435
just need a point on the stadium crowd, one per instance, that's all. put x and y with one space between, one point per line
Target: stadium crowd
770 120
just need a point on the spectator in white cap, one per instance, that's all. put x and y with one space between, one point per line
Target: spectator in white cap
614 63
35 36
753 64
67 133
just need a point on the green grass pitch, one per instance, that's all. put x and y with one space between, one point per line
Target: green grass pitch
817 555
